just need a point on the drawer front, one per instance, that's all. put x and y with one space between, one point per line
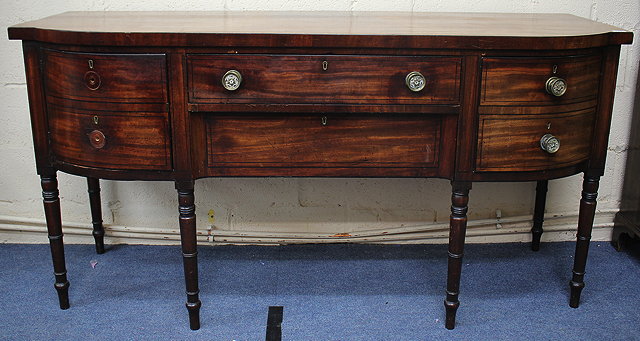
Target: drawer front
512 143
106 77
322 141
115 140
522 81
323 79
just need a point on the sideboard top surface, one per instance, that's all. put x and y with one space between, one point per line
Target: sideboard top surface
323 29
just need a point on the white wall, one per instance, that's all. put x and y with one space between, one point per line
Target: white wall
284 207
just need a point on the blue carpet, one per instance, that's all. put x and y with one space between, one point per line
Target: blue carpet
329 292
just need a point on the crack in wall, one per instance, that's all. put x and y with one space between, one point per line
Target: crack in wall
14 85
352 6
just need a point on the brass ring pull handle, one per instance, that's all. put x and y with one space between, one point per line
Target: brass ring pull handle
549 143
232 80
556 86
415 81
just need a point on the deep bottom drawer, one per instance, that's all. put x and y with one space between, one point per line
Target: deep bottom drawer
512 143
323 141
130 140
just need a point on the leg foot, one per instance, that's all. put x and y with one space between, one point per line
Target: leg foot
93 185
451 308
457 230
187 210
585 224
51 201
194 314
538 214
576 290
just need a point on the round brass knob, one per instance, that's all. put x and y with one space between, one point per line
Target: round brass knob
556 86
549 143
415 81
232 80
97 139
92 80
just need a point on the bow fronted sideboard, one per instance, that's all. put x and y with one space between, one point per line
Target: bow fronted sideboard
178 96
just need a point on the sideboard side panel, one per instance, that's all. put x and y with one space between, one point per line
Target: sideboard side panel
37 107
604 110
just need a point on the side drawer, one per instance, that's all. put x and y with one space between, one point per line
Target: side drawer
114 140
332 141
522 81
308 79
512 143
106 77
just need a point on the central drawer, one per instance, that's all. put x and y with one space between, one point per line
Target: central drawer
308 79
332 141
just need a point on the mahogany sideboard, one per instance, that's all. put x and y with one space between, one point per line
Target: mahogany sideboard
179 96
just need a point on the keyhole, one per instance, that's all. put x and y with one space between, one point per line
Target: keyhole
95 119
90 63
555 69
324 120
548 125
325 65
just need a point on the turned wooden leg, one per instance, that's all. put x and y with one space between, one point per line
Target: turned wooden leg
585 224
538 214
51 202
93 185
187 210
457 230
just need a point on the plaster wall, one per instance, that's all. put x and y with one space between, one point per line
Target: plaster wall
290 207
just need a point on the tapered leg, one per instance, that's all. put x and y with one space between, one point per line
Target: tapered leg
187 210
538 214
457 230
51 202
585 224
96 213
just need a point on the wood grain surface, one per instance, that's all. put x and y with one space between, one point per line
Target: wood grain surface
134 140
303 141
297 79
323 29
521 81
121 77
512 143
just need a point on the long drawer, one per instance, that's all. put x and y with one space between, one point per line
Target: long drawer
308 79
289 141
